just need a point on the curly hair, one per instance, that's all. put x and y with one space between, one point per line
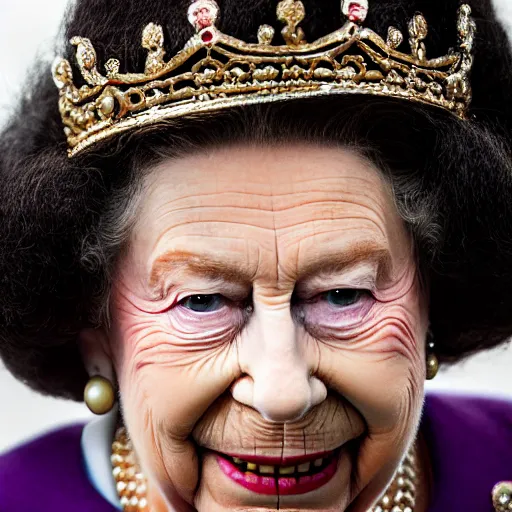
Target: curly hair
64 223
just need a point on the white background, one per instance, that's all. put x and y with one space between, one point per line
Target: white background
26 30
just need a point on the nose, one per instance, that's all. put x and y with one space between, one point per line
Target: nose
278 380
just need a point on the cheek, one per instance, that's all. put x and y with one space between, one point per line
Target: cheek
379 365
170 338
168 378
172 366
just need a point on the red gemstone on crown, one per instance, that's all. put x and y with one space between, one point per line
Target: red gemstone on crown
207 36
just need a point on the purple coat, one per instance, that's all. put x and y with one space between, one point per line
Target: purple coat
470 442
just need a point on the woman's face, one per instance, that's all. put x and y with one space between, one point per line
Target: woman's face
268 331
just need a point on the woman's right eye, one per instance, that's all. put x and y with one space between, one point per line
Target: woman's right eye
336 309
342 297
204 303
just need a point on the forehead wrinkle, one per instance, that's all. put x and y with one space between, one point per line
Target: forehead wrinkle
277 219
230 200
362 222
276 202
302 201
317 210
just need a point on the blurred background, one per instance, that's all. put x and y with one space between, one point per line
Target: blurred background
26 31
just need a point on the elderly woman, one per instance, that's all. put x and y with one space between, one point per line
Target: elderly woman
250 240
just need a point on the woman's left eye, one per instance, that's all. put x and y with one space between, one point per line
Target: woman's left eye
342 297
204 303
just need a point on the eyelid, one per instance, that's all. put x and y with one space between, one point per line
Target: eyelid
313 295
241 301
231 293
320 319
362 275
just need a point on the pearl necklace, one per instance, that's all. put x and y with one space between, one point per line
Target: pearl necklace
132 491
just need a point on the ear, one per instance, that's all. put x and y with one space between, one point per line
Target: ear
96 355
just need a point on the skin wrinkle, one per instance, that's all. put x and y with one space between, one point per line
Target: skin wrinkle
367 327
286 229
333 182
372 213
326 203
269 380
273 199
155 440
270 435
367 343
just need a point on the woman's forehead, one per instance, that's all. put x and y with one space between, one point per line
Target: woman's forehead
268 178
267 169
257 208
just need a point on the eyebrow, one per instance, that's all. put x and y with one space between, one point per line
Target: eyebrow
363 252
210 268
200 265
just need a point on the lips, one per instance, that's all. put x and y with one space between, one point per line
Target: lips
293 476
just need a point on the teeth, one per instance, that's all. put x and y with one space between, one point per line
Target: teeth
304 468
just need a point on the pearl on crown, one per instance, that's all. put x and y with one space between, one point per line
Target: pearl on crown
355 11
203 14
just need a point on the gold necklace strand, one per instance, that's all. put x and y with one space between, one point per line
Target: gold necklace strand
130 481
132 491
401 496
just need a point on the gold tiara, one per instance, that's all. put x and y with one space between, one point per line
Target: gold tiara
215 71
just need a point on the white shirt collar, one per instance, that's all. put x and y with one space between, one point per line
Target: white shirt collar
96 444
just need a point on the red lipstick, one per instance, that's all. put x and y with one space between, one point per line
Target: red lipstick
290 476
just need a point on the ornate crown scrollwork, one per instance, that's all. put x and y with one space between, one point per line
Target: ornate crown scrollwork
215 71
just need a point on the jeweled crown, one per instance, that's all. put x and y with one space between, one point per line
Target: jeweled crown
215 71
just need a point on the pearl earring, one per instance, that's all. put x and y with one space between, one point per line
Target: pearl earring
99 395
432 360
